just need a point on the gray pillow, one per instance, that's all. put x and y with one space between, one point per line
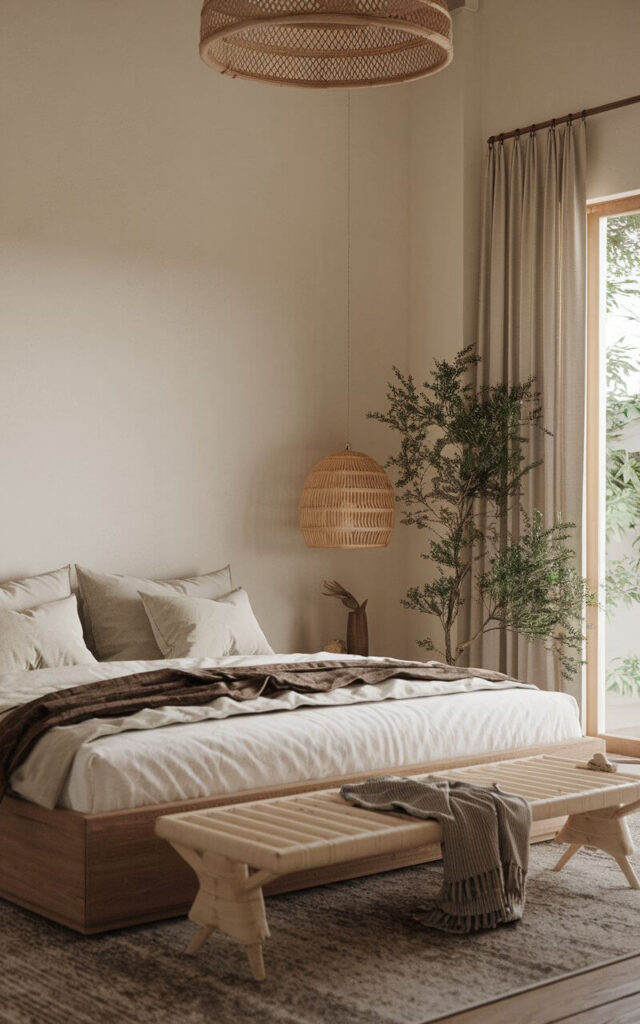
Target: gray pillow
119 626
190 627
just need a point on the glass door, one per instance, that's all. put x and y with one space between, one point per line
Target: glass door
613 472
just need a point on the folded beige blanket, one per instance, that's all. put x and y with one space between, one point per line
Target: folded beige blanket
485 846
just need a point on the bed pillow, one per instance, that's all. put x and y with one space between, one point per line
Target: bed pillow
43 637
190 627
120 630
35 590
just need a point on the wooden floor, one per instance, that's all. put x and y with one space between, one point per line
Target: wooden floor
604 995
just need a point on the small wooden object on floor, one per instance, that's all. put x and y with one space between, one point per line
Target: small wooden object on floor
236 850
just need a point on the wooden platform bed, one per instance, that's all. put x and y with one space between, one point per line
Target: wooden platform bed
98 872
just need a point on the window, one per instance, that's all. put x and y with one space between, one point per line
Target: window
613 472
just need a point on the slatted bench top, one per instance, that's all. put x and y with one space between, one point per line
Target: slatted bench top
294 833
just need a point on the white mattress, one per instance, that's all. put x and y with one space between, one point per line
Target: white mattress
214 757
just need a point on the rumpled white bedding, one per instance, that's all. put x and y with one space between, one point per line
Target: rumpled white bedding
176 754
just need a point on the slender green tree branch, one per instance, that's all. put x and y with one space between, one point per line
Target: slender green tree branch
459 471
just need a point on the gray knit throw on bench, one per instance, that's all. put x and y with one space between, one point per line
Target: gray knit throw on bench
485 846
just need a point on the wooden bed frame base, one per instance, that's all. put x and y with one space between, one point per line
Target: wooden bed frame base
97 872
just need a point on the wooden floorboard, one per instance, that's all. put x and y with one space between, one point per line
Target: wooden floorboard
622 1011
603 995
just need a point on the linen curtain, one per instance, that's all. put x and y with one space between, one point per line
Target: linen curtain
532 320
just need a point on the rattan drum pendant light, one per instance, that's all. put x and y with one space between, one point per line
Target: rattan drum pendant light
326 43
347 500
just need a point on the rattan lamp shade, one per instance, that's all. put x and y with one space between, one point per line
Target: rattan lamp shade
326 43
347 502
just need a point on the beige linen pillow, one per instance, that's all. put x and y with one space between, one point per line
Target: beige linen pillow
34 590
119 627
190 627
43 637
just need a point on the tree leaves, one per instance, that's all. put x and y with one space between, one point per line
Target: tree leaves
534 589
622 492
623 259
624 677
460 466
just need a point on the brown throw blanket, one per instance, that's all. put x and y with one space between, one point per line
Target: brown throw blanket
171 687
485 846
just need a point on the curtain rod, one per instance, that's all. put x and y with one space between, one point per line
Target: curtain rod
564 120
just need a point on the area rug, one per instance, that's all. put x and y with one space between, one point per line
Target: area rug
347 953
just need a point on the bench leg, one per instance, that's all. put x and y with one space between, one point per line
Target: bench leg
198 940
567 855
256 961
605 830
228 901
629 873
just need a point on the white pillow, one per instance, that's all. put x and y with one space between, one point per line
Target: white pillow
120 630
34 590
43 637
190 627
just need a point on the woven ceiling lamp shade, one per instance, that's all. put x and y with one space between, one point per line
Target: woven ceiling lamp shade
347 502
326 43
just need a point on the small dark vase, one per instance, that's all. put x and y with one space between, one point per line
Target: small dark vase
357 629
358 633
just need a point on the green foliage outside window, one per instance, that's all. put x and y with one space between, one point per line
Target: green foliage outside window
623 410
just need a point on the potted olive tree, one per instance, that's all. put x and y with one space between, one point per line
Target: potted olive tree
459 470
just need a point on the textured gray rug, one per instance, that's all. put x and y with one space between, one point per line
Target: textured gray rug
341 954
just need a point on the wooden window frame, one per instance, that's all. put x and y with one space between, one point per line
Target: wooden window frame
597 213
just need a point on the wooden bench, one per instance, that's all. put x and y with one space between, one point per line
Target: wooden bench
237 849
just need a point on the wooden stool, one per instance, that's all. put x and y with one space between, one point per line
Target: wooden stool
235 850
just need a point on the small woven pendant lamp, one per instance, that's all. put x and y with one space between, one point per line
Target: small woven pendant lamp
347 502
347 499
324 44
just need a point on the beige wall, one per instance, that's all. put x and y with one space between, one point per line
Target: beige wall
546 59
173 243
173 322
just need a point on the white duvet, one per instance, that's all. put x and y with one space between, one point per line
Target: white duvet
175 754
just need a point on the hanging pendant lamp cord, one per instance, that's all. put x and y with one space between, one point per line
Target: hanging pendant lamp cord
348 444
